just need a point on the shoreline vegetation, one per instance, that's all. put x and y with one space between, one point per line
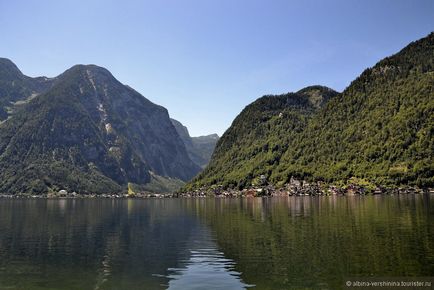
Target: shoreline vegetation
294 188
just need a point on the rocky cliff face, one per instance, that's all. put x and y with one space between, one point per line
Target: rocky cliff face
16 88
204 146
85 131
199 148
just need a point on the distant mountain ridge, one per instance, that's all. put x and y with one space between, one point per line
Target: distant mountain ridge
379 131
199 148
83 131
16 87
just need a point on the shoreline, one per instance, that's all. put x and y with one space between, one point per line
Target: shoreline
333 191
264 191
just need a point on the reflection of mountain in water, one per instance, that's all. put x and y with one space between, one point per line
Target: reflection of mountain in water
277 243
206 267
318 242
108 244
90 244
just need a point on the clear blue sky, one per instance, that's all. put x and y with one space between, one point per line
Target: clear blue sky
205 60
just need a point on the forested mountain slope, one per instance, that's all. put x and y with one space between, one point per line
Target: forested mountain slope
87 133
379 130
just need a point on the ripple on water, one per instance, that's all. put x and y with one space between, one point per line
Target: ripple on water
206 267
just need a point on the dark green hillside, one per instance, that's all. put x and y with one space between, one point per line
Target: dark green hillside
49 144
379 129
90 134
260 135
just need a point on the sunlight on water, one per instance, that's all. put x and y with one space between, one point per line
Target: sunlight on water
206 268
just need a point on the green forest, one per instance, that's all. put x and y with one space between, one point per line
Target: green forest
377 132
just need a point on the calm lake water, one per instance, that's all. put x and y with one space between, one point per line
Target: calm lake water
257 243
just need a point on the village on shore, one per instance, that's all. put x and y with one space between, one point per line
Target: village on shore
295 187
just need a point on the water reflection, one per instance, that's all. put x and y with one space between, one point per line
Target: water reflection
272 243
206 266
108 244
316 242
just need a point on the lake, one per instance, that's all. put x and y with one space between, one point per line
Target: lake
213 243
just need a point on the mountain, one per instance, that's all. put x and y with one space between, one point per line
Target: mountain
259 136
200 148
204 146
84 131
16 88
378 131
